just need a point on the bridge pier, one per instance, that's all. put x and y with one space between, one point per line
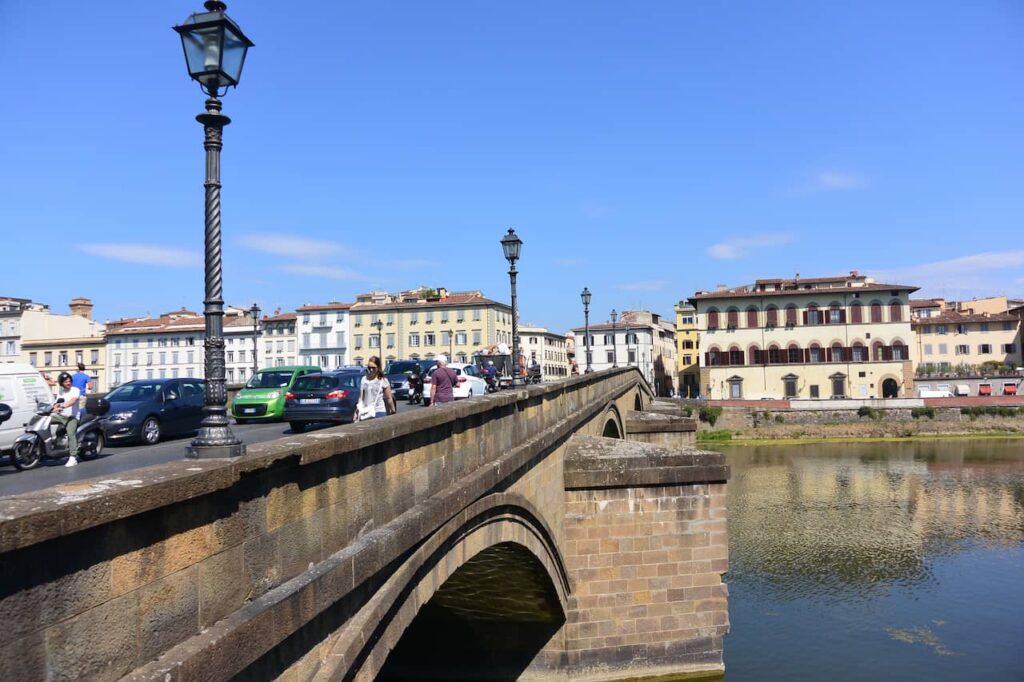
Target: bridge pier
646 546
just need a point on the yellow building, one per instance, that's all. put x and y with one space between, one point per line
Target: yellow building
965 335
687 350
57 343
819 338
424 323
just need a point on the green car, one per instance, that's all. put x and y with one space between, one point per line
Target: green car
262 398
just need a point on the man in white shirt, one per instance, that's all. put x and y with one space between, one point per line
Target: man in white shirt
66 411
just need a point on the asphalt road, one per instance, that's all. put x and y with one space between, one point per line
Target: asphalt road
118 458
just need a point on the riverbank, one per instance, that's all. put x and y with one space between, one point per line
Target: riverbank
741 441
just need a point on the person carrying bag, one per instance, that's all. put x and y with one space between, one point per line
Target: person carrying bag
375 398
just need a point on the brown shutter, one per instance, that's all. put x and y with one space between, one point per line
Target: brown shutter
842 316
828 354
805 318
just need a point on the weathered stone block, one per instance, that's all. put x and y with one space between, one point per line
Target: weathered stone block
168 612
99 644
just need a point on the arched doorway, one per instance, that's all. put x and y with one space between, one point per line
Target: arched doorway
890 389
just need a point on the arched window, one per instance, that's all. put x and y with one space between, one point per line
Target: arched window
899 351
752 318
856 313
735 356
754 356
790 315
714 357
712 319
815 354
895 311
771 314
876 312
837 352
813 315
774 356
733 318
836 315
795 354
860 353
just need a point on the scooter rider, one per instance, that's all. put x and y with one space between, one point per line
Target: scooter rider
67 411
415 383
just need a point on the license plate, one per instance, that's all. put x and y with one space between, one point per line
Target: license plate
249 410
309 401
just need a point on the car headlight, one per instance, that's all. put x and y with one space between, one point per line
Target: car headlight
122 416
405 384
273 395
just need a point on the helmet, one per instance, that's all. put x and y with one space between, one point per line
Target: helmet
491 363
62 376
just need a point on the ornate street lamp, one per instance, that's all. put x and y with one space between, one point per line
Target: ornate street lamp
512 245
379 325
451 345
255 312
615 354
215 50
585 297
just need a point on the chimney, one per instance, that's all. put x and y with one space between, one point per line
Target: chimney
721 287
81 307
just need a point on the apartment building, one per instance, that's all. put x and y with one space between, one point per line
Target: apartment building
241 346
423 323
11 310
949 334
279 341
828 337
687 350
323 335
168 346
57 343
639 338
546 348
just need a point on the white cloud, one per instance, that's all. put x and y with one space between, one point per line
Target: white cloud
829 180
741 246
291 246
145 254
962 277
647 285
325 271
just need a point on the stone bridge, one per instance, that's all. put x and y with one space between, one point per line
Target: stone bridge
567 531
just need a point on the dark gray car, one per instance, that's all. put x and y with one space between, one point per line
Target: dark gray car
149 409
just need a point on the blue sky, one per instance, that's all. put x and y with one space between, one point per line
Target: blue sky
645 150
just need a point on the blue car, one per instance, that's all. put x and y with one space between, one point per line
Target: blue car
149 409
326 397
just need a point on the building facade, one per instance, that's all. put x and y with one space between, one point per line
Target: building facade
425 323
241 346
687 350
278 341
57 343
965 337
819 338
639 338
546 348
11 310
164 347
323 335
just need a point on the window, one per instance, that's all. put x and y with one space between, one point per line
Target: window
460 316
305 339
339 340
714 357
391 318
34 360
794 354
814 354
985 349
63 358
611 358
477 337
752 317
1009 348
323 320
837 352
943 349
813 315
927 349
736 389
835 314
94 356
414 339
926 329
838 386
899 352
876 312
790 315
174 358
391 340
687 344
632 357
961 329
446 339
815 391
856 313
444 316
789 386
241 356
774 356
476 314
429 316
771 315
735 356
860 353
983 327
460 338
941 329
291 345
135 360
963 349
895 311
1007 326
374 340
359 341
754 356
609 339
712 320
414 317
428 339
230 356
733 318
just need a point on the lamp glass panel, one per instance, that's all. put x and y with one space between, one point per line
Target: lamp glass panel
234 55
203 52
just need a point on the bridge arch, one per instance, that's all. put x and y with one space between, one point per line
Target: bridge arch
611 423
497 559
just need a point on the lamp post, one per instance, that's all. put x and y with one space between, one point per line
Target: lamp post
585 297
215 50
451 345
626 320
379 325
615 354
512 245
255 312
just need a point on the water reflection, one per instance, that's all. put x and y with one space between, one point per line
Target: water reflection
900 544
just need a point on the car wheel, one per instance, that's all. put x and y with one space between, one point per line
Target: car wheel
297 427
92 446
25 455
151 431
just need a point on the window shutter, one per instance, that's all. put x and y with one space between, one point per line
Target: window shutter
805 318
807 354
828 354
707 359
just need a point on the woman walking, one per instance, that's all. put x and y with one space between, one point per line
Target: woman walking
375 399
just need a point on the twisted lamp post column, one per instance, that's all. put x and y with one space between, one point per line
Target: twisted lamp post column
512 245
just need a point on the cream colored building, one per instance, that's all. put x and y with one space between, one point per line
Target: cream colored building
828 337
687 350
967 333
639 338
165 347
279 341
11 310
424 323
57 343
547 348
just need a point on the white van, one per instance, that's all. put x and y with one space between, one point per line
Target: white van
21 387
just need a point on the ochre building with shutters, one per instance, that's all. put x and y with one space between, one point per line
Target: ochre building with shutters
811 338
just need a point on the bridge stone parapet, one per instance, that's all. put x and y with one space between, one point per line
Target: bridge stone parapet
661 428
317 555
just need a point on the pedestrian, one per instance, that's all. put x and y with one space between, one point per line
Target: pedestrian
443 380
83 382
67 412
375 398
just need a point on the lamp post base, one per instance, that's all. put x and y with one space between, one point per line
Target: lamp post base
214 451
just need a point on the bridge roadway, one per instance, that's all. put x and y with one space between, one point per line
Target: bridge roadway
118 458
567 531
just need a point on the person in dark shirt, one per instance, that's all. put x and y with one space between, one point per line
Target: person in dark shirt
443 382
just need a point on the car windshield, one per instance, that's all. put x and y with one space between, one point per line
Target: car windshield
143 390
270 380
314 382
401 367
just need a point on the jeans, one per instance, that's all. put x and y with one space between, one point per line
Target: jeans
71 424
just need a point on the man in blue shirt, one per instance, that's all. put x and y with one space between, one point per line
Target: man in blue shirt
82 381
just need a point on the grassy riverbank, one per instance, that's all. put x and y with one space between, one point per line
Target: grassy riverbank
706 438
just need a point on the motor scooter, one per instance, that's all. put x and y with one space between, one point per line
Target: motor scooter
492 383
415 389
41 442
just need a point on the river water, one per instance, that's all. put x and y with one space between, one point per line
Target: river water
885 561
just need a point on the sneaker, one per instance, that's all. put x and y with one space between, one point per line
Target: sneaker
72 461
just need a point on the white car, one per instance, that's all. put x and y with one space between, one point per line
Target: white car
469 382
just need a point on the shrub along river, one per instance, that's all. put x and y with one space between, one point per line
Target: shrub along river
876 561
